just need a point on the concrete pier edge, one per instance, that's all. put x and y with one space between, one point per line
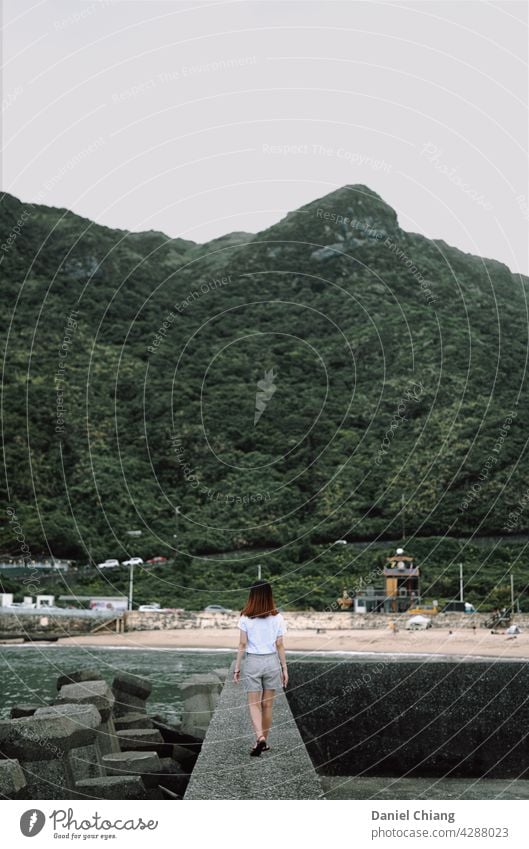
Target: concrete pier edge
225 770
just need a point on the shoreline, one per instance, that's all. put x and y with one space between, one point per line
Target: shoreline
431 643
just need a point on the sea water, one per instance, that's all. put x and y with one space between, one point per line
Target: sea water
28 673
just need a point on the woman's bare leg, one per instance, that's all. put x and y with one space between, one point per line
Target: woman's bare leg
254 704
267 703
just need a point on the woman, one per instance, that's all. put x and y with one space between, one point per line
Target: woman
261 629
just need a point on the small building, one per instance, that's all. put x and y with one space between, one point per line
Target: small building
402 582
45 601
401 590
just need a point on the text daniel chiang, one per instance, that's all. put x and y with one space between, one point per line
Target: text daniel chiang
421 814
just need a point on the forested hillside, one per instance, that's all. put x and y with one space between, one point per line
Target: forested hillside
326 378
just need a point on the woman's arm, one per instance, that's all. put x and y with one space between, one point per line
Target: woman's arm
282 657
243 641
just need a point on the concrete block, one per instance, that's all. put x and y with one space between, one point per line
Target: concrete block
125 703
49 733
119 787
124 682
12 779
43 744
85 762
80 714
97 693
221 672
128 740
105 734
133 720
77 676
200 694
173 777
132 763
24 710
186 758
50 779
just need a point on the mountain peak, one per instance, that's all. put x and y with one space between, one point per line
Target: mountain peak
355 207
345 218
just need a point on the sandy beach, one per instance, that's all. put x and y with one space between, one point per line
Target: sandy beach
464 642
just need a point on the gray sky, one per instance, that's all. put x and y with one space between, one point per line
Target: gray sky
198 119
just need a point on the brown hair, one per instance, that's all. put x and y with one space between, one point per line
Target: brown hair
260 601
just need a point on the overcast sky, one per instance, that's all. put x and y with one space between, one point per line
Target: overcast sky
198 119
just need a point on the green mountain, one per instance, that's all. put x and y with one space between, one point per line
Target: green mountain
332 376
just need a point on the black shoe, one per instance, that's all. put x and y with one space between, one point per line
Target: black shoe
259 747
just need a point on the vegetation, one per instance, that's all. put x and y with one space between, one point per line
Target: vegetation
389 372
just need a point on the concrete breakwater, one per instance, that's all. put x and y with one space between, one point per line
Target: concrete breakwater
96 741
399 717
224 769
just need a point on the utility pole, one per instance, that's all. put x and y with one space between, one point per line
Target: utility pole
176 517
259 572
402 515
131 585
512 593
461 594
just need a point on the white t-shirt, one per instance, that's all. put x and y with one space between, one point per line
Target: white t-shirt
263 633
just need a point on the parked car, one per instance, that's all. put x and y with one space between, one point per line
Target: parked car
20 604
144 608
340 542
459 607
157 560
418 623
134 561
216 608
108 564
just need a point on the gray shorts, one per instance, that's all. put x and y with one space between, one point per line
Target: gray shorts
262 672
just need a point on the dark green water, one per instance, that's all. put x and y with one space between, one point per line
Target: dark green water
29 673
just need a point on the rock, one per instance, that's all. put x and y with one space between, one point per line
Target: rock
42 744
23 710
180 739
49 733
173 777
130 739
200 693
97 693
12 779
78 676
132 763
120 787
154 794
131 693
132 684
125 703
87 714
170 733
85 762
101 696
185 757
133 720
222 673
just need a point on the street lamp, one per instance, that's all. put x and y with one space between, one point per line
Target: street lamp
131 585
176 515
131 572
